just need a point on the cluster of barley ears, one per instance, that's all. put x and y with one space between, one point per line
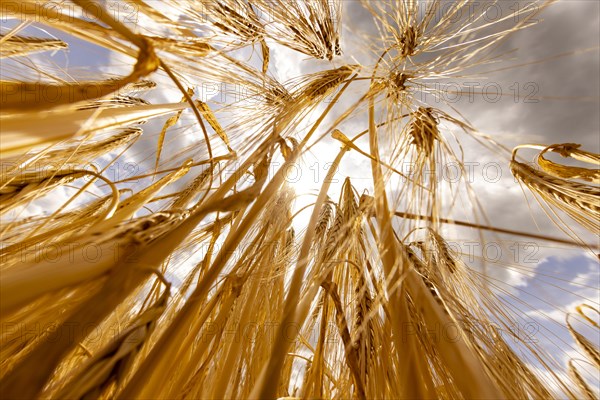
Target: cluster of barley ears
198 277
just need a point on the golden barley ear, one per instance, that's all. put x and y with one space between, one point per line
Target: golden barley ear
424 130
584 388
14 46
591 350
111 364
310 27
578 200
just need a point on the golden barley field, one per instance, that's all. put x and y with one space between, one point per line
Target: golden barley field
299 199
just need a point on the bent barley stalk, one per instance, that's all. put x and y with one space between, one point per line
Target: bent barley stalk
568 172
179 261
